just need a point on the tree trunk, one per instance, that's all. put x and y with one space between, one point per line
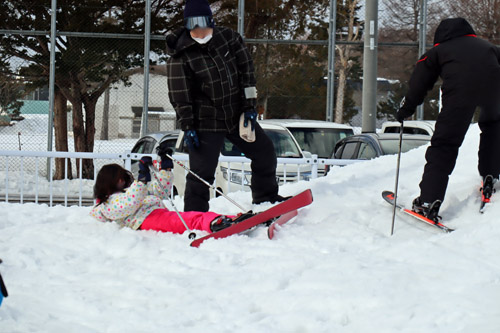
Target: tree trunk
105 117
90 106
84 131
78 130
61 133
339 107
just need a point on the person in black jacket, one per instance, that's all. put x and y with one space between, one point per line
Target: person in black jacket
470 70
211 84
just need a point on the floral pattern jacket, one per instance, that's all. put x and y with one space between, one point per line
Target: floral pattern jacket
130 208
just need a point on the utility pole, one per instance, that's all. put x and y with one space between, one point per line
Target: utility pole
369 106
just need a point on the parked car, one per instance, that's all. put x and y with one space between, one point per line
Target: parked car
371 145
315 136
231 176
424 127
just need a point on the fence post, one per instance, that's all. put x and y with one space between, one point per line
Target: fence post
330 90
314 166
147 42
52 77
241 18
128 160
422 46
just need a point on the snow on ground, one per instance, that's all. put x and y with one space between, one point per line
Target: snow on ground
334 269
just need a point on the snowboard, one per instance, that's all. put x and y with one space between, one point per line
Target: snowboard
300 200
271 230
389 197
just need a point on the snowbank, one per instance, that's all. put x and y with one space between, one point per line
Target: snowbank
335 269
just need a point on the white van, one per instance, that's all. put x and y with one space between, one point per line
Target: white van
237 176
425 127
315 136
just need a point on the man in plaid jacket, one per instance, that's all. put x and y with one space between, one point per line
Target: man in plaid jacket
211 84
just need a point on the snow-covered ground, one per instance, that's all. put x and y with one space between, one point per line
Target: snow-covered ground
334 269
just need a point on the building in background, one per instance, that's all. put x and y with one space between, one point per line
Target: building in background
125 106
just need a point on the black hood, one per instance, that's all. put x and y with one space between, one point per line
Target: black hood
452 28
178 41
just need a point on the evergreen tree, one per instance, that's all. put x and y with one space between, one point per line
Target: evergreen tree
85 67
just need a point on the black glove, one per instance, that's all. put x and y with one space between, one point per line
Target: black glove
191 139
250 116
404 111
144 164
163 150
400 116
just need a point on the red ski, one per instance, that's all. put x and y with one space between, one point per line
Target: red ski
280 221
389 197
300 200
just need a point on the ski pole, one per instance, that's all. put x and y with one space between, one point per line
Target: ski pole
207 183
192 234
397 178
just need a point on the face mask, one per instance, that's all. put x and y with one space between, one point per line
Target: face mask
204 40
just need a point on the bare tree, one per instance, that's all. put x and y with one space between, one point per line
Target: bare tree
484 16
344 53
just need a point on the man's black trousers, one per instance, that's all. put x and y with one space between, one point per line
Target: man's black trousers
451 126
204 159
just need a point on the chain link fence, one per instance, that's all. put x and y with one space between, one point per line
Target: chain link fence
100 77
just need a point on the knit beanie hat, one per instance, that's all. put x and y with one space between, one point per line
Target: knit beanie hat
195 8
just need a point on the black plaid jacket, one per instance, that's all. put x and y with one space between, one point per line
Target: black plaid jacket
207 82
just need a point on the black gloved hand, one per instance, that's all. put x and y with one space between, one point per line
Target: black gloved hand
144 164
250 116
404 111
400 116
163 150
191 139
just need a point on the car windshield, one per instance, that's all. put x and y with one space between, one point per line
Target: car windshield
391 146
319 141
284 145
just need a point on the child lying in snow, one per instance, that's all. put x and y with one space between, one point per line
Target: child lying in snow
138 204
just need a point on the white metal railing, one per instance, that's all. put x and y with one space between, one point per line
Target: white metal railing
25 182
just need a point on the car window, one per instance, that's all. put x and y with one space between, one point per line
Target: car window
139 147
228 149
170 142
283 143
144 146
366 151
284 146
349 150
406 130
319 141
391 146
148 148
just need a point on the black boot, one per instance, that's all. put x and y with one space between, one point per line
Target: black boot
275 199
487 189
428 210
223 222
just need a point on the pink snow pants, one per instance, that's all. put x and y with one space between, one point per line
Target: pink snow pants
167 221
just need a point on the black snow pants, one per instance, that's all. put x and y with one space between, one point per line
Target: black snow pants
451 126
204 159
